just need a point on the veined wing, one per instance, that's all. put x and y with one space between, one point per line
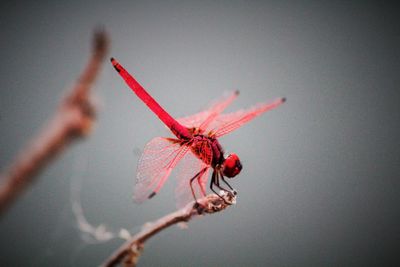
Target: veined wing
159 157
189 166
226 123
202 119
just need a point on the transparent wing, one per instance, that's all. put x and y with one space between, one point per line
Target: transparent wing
202 119
226 123
187 169
159 157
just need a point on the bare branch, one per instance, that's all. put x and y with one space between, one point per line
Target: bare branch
72 120
130 251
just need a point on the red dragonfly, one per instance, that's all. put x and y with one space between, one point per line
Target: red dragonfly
196 146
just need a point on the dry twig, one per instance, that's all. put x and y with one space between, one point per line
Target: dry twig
71 121
129 253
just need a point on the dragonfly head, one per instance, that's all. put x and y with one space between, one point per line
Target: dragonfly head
231 166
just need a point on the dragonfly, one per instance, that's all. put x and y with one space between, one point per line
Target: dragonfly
195 147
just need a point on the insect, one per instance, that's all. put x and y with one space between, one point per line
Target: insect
196 147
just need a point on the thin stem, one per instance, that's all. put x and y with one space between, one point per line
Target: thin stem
130 251
71 121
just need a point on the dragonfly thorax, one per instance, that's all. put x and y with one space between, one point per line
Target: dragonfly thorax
208 149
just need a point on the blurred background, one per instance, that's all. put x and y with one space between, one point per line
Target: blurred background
320 183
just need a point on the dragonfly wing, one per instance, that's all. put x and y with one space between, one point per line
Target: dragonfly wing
159 157
217 107
226 123
204 118
187 169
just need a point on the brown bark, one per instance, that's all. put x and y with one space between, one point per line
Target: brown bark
71 121
129 253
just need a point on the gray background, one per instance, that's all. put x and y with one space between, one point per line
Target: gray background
320 184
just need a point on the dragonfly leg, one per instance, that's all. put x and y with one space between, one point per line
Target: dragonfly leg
202 188
219 175
214 181
233 190
198 175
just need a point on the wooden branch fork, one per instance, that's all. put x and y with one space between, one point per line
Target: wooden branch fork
72 120
129 253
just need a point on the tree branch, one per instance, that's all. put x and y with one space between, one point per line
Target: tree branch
72 120
130 251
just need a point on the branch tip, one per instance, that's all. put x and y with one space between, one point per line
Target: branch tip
130 251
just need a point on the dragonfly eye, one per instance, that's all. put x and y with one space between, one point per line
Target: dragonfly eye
231 166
